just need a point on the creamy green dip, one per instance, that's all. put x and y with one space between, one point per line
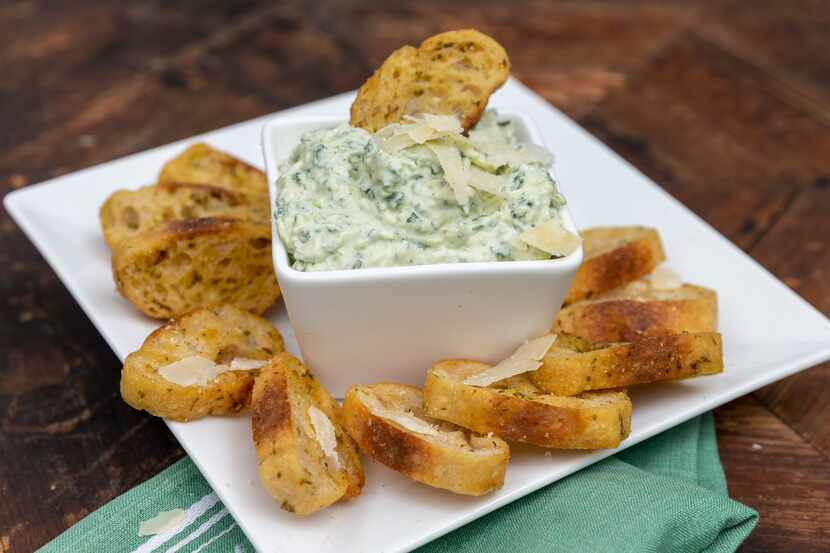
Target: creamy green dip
345 203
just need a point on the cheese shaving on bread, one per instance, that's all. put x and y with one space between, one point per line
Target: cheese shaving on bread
196 370
403 418
527 358
325 434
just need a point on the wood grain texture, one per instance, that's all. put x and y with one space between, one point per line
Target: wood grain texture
727 107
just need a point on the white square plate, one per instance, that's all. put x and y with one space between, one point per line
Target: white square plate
769 331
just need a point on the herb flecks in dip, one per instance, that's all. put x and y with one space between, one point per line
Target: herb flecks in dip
415 194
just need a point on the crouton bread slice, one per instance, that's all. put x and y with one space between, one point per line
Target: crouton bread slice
515 409
203 164
640 309
182 265
452 73
613 257
574 365
388 423
128 213
307 461
222 335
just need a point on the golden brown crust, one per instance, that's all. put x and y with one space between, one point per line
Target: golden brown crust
128 213
455 460
182 265
217 333
451 73
202 164
619 316
573 366
517 410
293 467
614 256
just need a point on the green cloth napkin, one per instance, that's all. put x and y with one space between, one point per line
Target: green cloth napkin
666 494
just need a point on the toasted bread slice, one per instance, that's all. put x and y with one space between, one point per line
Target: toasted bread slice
638 310
614 256
220 334
182 265
127 213
388 423
202 164
452 73
574 365
305 463
515 409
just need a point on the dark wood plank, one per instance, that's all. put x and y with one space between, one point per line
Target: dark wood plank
774 470
785 38
707 126
797 250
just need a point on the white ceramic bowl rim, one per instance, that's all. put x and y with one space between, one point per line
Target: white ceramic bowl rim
385 274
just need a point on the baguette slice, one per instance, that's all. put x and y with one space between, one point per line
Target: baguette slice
452 73
127 213
182 265
515 409
639 310
221 334
388 423
298 465
614 256
202 164
574 365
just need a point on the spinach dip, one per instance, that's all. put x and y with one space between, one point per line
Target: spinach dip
415 193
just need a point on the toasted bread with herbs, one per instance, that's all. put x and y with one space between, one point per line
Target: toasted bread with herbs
613 257
183 265
639 310
452 73
307 461
203 164
388 423
220 334
128 213
515 409
574 365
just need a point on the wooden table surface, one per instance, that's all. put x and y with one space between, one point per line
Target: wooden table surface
725 103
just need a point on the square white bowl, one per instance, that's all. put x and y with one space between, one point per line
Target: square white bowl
392 323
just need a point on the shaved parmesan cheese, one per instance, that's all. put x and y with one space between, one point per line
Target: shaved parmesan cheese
325 434
443 123
191 371
553 238
404 418
196 370
396 137
419 132
246 364
664 278
392 143
160 523
527 358
456 173
488 182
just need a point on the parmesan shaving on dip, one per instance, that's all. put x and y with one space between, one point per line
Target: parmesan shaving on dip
551 237
196 370
525 359
455 171
325 434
